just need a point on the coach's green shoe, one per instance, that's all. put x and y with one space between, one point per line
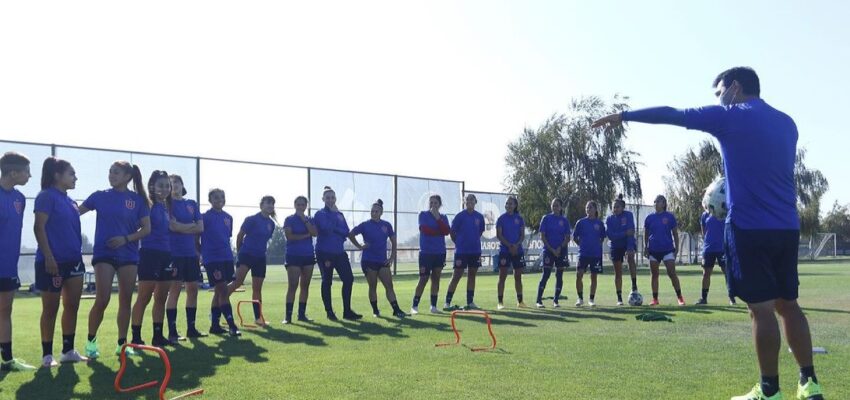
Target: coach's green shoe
809 391
91 349
15 365
756 394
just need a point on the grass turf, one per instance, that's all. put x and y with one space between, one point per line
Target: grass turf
601 353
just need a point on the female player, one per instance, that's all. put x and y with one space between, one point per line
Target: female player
589 234
510 229
467 227
662 241
620 226
433 229
555 234
300 231
251 243
330 253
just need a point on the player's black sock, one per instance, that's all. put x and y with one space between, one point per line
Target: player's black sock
374 307
705 294
519 297
620 296
806 373
434 298
256 310
769 385
470 296
289 307
171 316
67 343
6 351
394 305
581 295
634 285
191 313
592 296
157 330
227 311
655 295
449 296
501 299
302 310
416 300
121 341
679 293
46 348
137 333
91 337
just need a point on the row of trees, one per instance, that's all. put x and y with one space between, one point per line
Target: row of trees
564 158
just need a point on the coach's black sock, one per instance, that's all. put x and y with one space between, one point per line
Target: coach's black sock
705 294
67 343
434 298
620 296
470 296
171 316
46 349
806 373
769 385
374 307
449 296
416 301
256 310
6 351
289 307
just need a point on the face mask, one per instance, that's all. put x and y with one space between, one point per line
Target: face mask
727 97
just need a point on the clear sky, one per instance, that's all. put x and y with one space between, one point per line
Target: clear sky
427 88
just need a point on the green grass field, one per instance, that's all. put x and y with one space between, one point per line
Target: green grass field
570 353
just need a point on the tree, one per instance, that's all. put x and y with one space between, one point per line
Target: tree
87 246
691 173
276 251
811 186
565 158
838 221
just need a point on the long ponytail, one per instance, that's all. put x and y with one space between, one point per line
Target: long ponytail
50 168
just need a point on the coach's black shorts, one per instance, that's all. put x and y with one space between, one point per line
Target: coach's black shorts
50 283
762 263
256 264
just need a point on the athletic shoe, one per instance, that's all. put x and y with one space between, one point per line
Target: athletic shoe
591 303
620 303
579 303
91 349
160 342
556 304
654 302
139 342
540 305
500 306
435 310
286 322
701 302
261 323
351 315
72 356
756 394
681 301
376 314
332 316
399 314
217 330
194 333
414 310
15 365
732 302
809 391
451 307
235 332
304 318
472 306
129 351
49 362
175 337
521 305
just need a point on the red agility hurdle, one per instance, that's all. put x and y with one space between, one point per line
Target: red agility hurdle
239 313
457 333
164 358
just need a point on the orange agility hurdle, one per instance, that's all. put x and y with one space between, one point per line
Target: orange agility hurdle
239 313
164 358
457 333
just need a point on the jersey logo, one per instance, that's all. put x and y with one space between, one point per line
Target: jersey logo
227 222
623 221
384 228
561 223
516 221
130 204
190 209
664 220
596 226
57 282
477 222
19 207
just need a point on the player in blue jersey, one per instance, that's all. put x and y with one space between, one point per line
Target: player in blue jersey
466 230
762 233
661 244
251 243
620 228
123 218
555 235
510 230
14 171
433 229
331 255
186 225
712 252
59 264
300 259
375 263
156 272
217 256
589 234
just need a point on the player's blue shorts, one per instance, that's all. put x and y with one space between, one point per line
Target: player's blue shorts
594 264
430 262
762 263
549 259
464 261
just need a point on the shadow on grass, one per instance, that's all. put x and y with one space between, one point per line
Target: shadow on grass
287 336
45 385
826 310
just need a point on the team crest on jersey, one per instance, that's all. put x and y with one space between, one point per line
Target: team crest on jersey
217 275
130 204
664 220
227 222
623 221
384 229
190 209
477 222
174 272
561 223
516 221
57 282
596 226
19 207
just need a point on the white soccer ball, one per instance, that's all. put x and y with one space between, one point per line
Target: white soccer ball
714 200
635 299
